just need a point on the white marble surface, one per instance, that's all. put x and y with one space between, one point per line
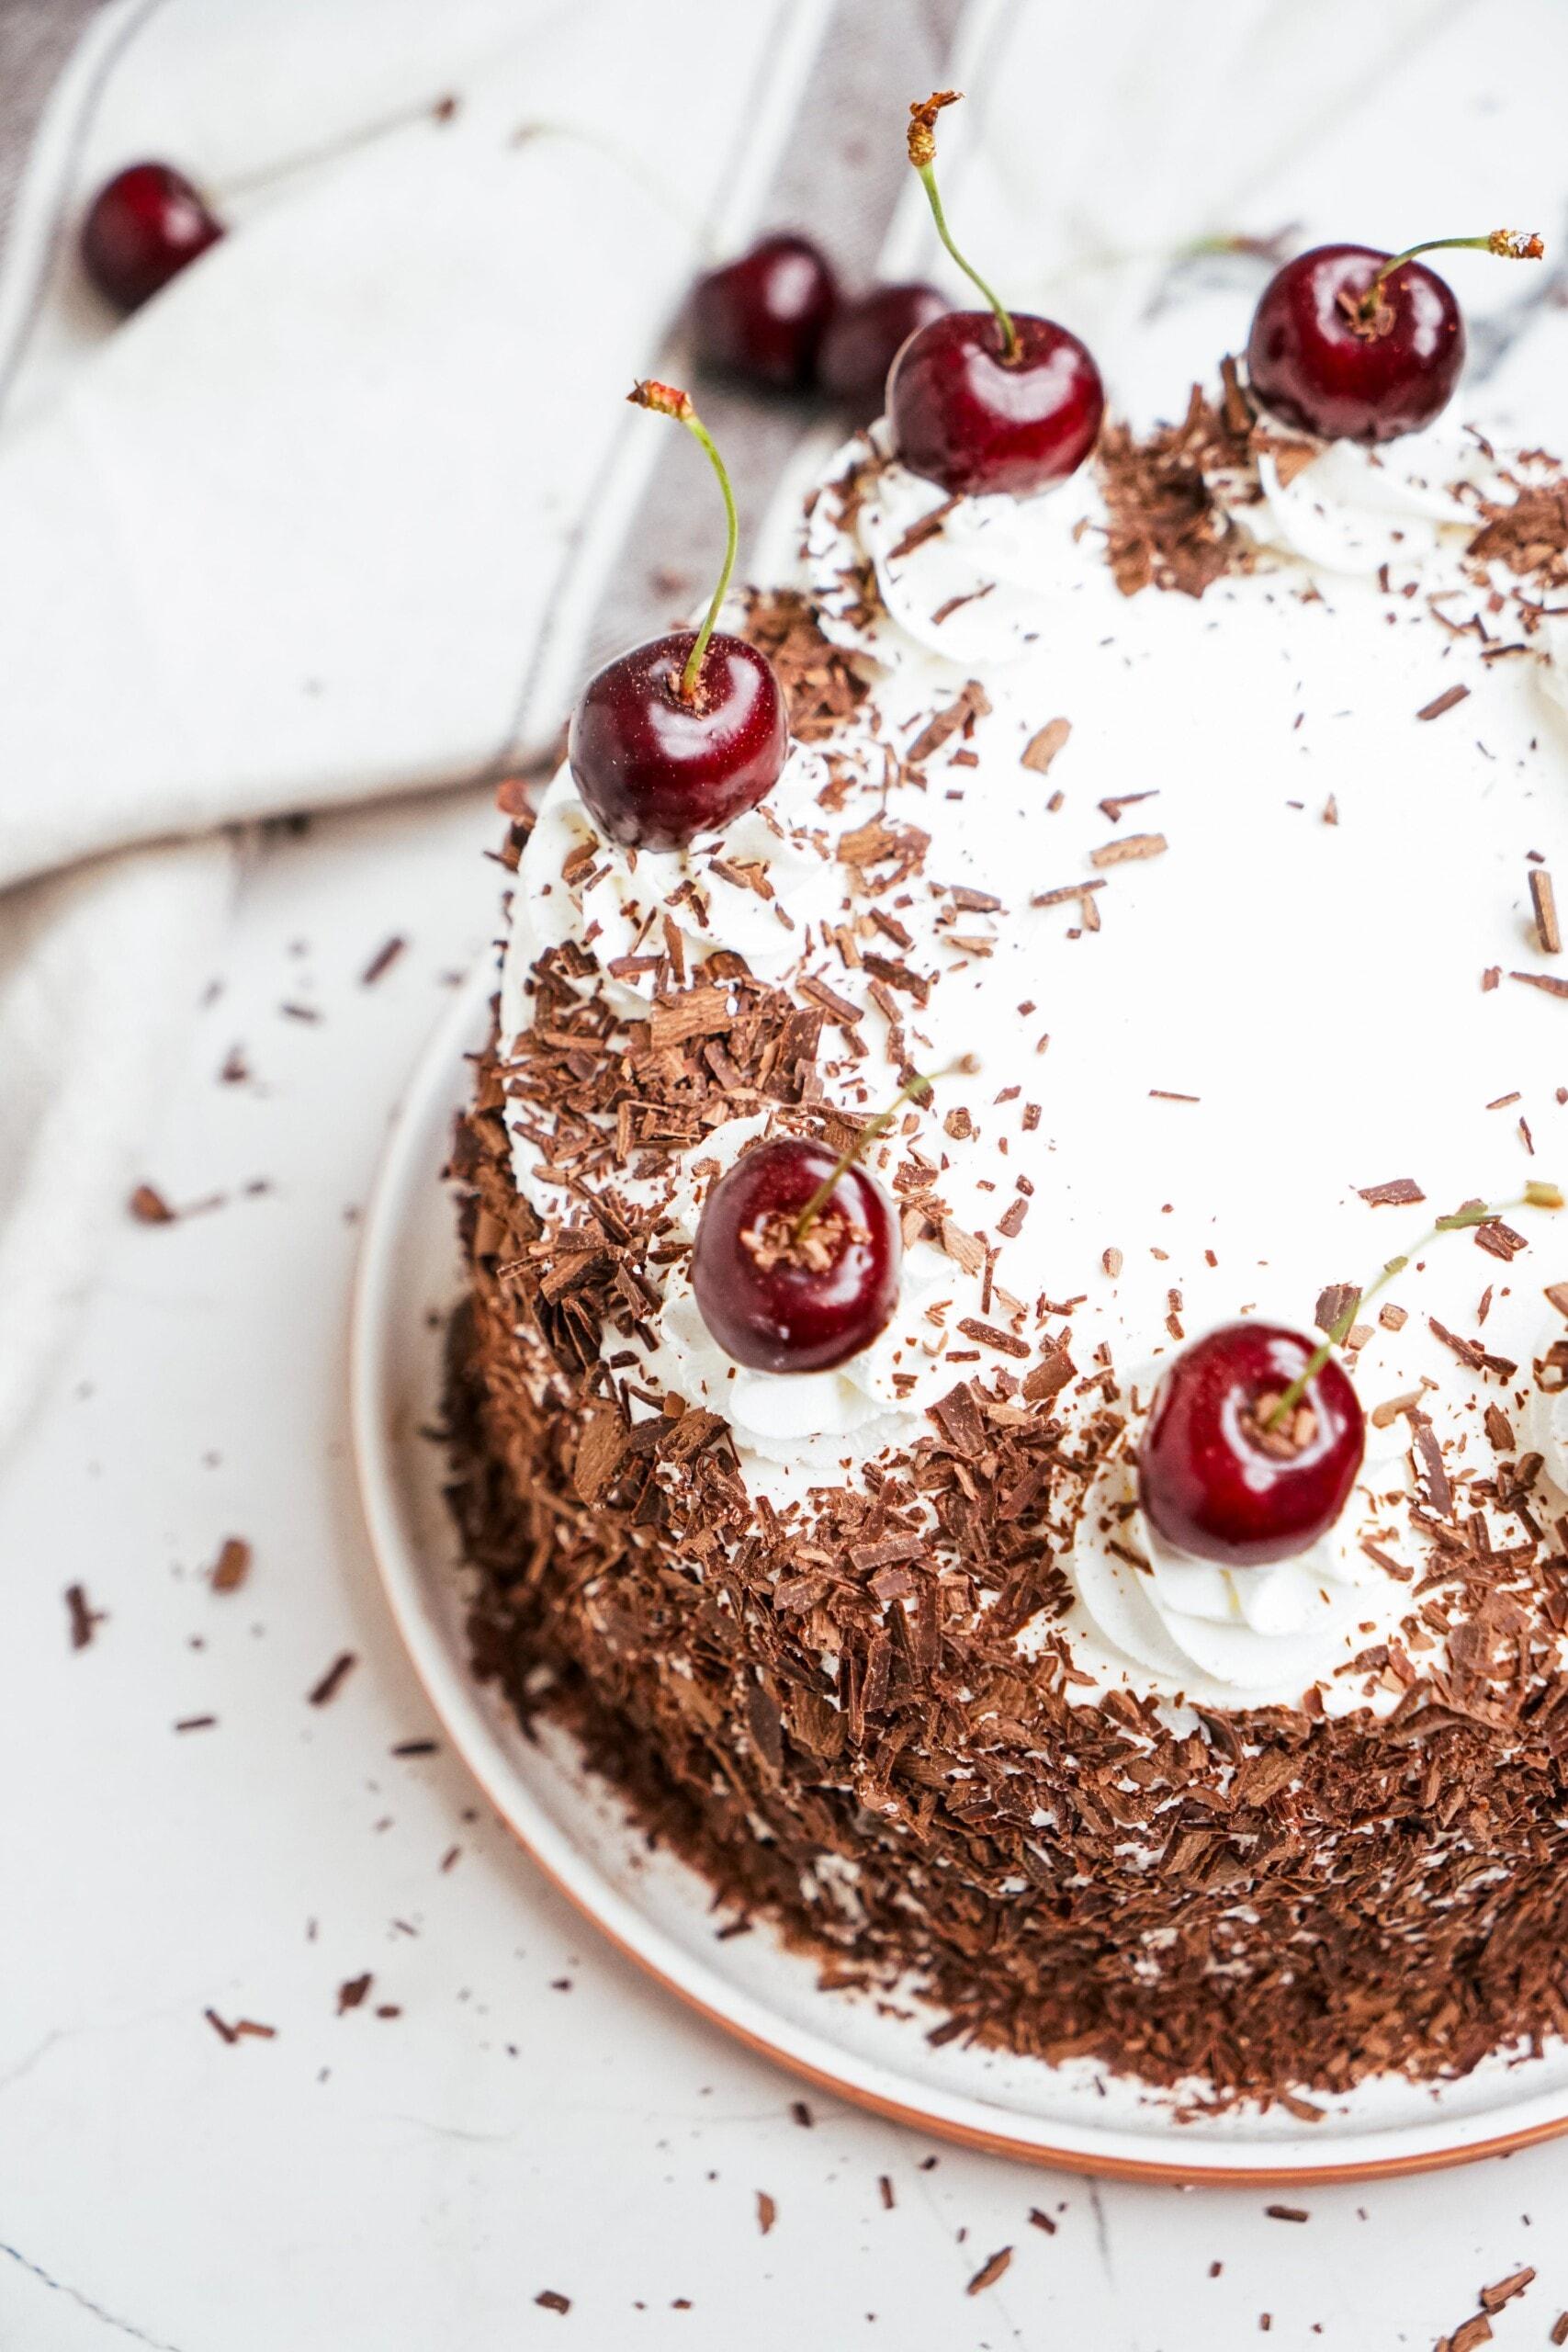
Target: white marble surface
536 2117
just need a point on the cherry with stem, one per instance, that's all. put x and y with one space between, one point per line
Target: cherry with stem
683 734
795 1263
1255 1436
987 400
1353 344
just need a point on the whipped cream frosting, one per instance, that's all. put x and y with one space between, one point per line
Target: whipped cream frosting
1252 987
1342 507
969 580
751 888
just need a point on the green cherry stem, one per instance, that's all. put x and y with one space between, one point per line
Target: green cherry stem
668 399
912 1089
1509 244
1534 1196
922 155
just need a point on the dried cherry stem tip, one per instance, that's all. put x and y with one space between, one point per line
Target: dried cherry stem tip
1509 244
922 155
911 1088
668 399
1536 1196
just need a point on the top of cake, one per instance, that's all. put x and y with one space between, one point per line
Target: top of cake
1222 921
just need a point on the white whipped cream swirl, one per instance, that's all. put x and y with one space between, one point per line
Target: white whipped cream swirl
1351 508
972 580
616 899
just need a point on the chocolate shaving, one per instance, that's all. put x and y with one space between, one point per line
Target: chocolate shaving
972 703
331 1680
989 2271
1543 900
84 1618
1445 701
1168 529
382 961
232 1565
1043 748
1131 847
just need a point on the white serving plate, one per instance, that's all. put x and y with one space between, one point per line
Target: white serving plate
660 1913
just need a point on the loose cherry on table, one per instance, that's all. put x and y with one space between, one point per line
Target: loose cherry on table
762 317
1216 1481
145 226
989 400
683 734
795 1263
866 337
1354 345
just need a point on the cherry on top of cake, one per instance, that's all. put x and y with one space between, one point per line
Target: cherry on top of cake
796 1265
1254 1437
994 400
683 734
1354 345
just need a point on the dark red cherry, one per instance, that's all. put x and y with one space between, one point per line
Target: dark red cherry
1320 357
964 416
779 1301
1214 1481
762 317
655 769
141 230
866 337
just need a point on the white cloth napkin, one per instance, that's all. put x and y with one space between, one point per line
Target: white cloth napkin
326 519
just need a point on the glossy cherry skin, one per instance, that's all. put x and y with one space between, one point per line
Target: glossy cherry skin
774 1306
1208 1486
866 337
1314 364
654 770
762 317
145 226
964 417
